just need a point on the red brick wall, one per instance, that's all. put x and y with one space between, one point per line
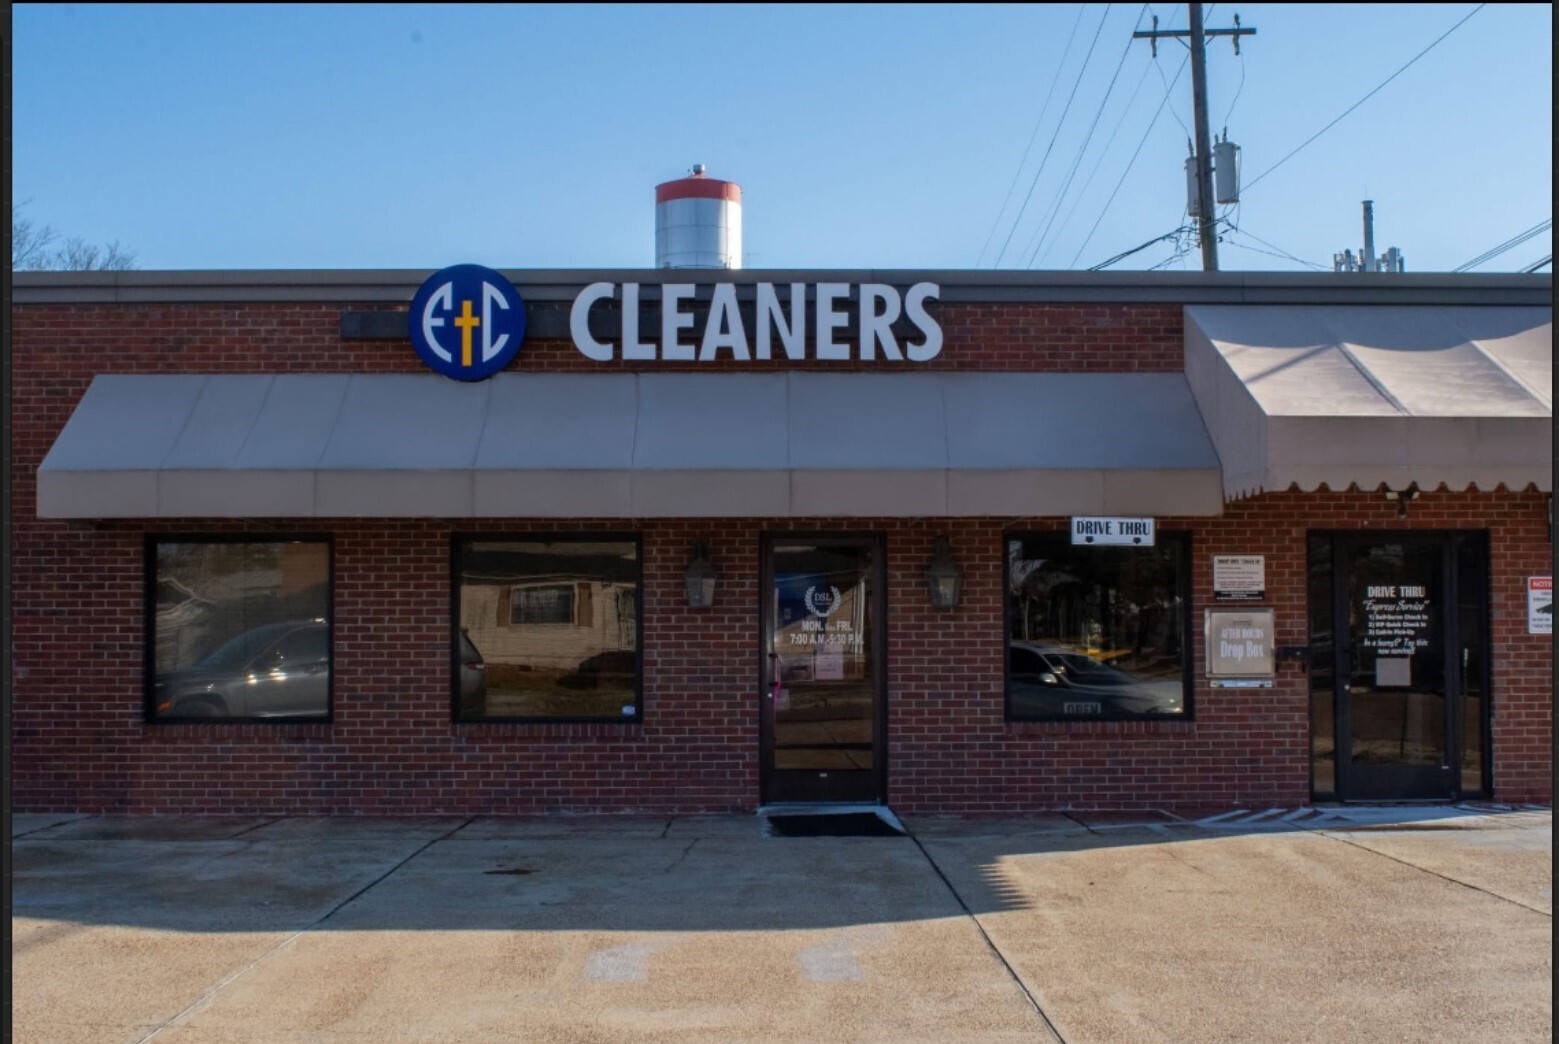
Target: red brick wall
80 742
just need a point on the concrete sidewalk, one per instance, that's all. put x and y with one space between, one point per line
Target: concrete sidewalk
1325 925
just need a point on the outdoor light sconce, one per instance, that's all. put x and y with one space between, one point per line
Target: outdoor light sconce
700 577
943 576
1402 496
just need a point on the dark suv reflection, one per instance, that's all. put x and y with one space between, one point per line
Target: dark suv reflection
281 670
1052 681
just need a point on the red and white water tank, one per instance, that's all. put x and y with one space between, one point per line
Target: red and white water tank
698 222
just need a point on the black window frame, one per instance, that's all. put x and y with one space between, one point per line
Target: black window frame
1181 539
149 625
459 540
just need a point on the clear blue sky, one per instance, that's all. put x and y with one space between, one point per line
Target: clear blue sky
885 137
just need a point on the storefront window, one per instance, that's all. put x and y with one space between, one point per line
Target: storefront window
1097 633
239 629
547 629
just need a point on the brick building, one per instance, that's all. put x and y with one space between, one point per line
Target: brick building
986 543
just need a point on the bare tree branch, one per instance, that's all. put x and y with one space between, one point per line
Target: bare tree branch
33 250
30 242
117 259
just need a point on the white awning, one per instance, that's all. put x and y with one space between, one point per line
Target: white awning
1365 395
624 445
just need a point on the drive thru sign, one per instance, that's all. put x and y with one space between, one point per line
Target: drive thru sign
1128 531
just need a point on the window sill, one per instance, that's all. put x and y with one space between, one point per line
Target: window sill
563 730
180 729
1051 728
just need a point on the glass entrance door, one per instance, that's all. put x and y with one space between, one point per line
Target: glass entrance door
822 674
1406 665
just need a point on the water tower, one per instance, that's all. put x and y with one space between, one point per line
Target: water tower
698 222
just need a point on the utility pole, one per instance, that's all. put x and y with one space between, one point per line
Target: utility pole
1204 145
1206 221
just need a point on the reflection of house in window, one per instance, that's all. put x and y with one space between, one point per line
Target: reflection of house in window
549 604
557 625
553 625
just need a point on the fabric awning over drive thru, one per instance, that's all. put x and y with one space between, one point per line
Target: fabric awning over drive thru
1374 394
630 445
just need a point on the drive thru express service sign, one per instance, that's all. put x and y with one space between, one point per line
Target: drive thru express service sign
467 322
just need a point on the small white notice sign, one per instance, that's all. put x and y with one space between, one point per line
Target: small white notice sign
1239 578
829 666
1393 672
1128 531
1540 605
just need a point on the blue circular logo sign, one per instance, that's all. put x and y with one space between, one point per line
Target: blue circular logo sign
467 322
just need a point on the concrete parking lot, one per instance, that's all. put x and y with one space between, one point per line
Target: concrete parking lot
1304 925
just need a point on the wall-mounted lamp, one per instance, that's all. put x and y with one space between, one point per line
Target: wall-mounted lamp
943 576
1402 496
700 577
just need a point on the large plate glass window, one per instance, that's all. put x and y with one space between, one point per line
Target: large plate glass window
1097 633
238 628
547 629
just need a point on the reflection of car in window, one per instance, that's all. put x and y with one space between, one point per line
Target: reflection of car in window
473 678
275 671
1052 681
613 669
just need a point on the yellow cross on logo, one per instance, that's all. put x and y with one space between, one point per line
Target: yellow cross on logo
467 322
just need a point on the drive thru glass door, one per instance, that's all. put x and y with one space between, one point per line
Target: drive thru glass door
1407 671
822 674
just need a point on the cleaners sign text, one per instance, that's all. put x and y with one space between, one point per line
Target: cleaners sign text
782 321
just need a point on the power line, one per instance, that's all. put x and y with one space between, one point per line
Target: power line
1115 133
1280 251
1509 244
1032 136
1086 58
1167 84
1252 183
1172 233
1182 248
1236 99
1055 207
1269 253
1168 87
1529 269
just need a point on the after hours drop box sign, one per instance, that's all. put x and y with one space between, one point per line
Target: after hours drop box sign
1240 651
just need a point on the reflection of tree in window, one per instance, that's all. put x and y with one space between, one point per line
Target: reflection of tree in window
225 610
209 592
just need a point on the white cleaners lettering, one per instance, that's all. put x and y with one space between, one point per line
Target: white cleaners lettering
781 323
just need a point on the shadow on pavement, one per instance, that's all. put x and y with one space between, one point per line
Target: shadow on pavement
604 873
